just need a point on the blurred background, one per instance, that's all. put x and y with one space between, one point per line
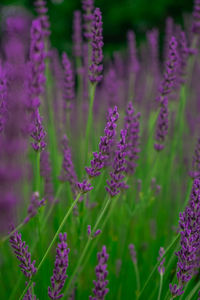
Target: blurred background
118 17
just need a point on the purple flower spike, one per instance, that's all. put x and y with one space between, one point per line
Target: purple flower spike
59 272
105 145
89 231
38 133
88 7
100 284
41 9
68 171
196 16
132 126
175 290
97 232
77 34
184 53
162 125
188 256
96 67
37 65
36 203
21 251
161 268
133 253
170 71
69 93
84 186
119 166
134 64
3 95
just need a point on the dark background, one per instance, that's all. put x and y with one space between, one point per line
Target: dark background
118 17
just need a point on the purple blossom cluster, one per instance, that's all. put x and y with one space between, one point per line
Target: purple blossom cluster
188 256
68 94
35 204
21 251
133 253
59 272
41 9
96 67
77 34
116 183
196 17
88 7
162 125
100 284
105 145
132 126
161 268
38 133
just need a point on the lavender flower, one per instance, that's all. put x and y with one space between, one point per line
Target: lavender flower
59 272
196 16
183 56
68 172
41 9
69 93
133 61
111 87
35 204
88 6
84 186
37 133
116 183
36 78
105 145
77 34
133 253
131 125
188 256
96 67
21 251
161 268
100 284
3 95
162 125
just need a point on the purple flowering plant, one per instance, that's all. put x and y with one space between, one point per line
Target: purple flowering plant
112 142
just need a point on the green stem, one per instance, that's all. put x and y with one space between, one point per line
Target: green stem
155 267
90 119
193 291
85 250
137 279
160 288
52 242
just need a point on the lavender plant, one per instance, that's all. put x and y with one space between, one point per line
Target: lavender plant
78 134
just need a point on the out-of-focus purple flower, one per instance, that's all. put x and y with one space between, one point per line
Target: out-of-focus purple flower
96 67
68 172
161 268
133 253
41 9
21 251
85 70
84 186
97 232
100 284
36 79
188 256
38 133
45 171
169 31
195 173
132 126
170 70
3 96
69 93
35 204
175 290
162 125
133 61
116 184
196 17
111 87
183 56
88 7
89 231
77 34
59 272
106 142
153 42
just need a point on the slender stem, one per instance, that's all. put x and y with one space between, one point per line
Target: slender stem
155 267
89 120
52 242
137 279
87 245
160 288
193 291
